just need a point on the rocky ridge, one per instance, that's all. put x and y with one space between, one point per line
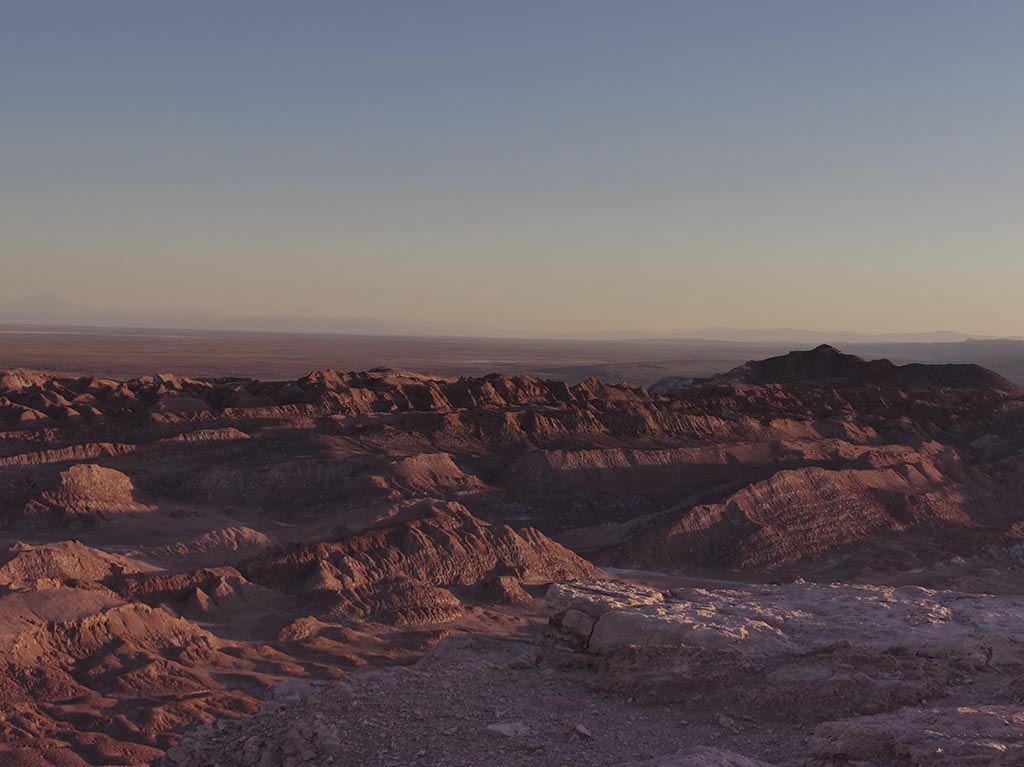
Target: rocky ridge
195 542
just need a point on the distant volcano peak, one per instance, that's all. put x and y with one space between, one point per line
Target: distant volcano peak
825 363
826 350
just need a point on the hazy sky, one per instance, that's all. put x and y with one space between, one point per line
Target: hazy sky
520 167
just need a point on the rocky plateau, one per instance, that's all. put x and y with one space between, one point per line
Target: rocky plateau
810 560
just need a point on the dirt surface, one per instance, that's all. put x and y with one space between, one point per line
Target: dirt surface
914 686
470 703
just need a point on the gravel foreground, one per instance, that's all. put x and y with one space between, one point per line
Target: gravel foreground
708 682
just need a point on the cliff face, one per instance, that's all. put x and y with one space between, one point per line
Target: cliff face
402 571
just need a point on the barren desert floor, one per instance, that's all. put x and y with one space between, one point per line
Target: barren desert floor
126 353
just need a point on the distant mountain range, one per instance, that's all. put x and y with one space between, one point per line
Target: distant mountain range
52 310
49 310
802 336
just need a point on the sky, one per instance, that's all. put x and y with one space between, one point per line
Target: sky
548 167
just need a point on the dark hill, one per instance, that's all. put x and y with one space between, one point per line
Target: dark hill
827 364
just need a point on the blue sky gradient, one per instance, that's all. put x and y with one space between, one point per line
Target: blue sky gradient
520 168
